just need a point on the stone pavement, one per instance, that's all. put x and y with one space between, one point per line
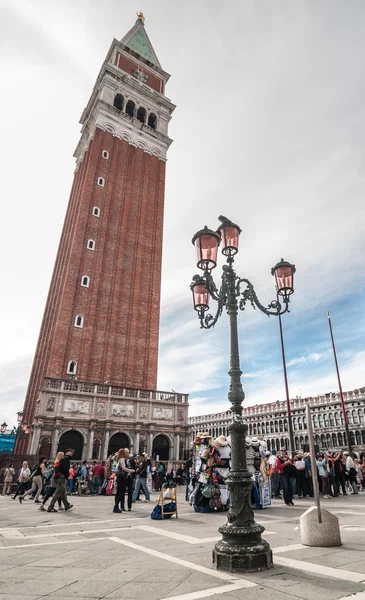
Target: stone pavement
90 552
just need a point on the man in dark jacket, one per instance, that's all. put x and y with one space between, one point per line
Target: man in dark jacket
61 474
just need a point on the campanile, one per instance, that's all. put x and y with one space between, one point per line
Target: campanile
101 321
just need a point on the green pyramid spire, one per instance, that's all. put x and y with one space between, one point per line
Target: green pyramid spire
137 40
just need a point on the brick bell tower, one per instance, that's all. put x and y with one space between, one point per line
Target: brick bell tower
101 321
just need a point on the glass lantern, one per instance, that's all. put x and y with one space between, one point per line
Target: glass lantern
284 278
230 234
201 296
206 243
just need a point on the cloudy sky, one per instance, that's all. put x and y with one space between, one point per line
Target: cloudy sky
269 130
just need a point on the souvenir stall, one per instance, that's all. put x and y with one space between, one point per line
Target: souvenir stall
208 491
257 465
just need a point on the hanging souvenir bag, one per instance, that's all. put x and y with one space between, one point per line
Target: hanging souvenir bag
207 490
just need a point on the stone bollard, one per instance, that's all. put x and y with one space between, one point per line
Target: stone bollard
323 534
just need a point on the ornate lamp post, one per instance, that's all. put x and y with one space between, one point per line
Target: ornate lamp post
21 431
241 547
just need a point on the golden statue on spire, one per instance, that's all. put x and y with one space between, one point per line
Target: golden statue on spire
140 16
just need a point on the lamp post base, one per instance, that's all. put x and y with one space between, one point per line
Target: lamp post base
242 550
241 547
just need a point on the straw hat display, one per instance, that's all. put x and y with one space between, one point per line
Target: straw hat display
221 440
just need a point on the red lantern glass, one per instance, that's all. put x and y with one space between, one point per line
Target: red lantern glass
19 416
201 296
3 427
206 243
24 425
284 278
230 234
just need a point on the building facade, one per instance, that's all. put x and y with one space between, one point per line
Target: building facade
101 322
271 421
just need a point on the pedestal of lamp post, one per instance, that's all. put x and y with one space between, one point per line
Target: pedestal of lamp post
241 548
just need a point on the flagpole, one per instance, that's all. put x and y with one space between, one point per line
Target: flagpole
340 387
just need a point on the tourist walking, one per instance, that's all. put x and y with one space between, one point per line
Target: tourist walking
160 476
340 472
188 475
308 481
300 473
332 474
351 472
362 467
8 479
141 480
274 475
124 479
286 471
51 488
23 479
98 477
61 474
71 477
37 481
321 463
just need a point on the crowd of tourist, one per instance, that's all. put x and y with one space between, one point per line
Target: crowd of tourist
338 473
120 475
125 476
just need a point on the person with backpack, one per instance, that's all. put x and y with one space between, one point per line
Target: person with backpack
37 481
51 484
8 479
61 473
23 479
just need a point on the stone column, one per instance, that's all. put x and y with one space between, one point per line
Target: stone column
137 437
177 446
150 441
106 442
35 439
55 438
90 444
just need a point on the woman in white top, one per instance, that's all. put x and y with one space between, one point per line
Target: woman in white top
124 479
22 479
8 479
37 482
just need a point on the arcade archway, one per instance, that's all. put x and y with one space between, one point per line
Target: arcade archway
45 447
117 441
71 439
161 448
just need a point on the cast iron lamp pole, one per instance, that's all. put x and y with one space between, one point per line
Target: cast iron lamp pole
241 547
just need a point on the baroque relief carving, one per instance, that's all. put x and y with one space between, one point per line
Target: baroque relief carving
123 410
51 403
162 414
76 407
143 411
100 409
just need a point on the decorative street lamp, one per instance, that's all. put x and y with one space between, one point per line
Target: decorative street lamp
241 547
23 429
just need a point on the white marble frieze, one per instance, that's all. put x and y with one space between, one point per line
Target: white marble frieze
162 414
75 407
123 410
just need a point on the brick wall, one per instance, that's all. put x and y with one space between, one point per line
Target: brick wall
119 340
